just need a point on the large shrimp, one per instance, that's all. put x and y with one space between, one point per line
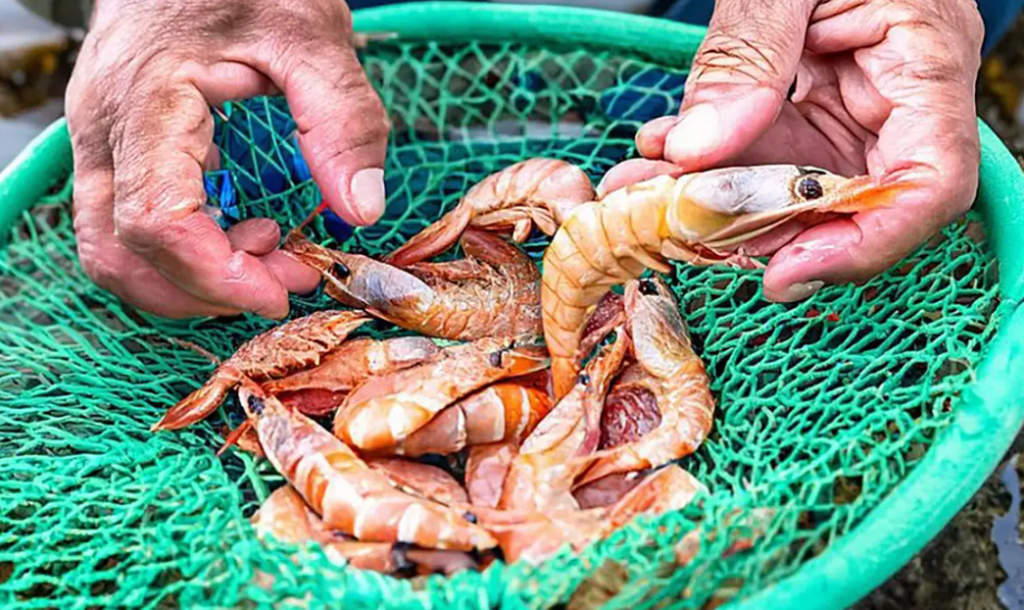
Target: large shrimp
386 410
541 192
348 495
660 408
542 475
286 517
534 536
291 347
319 390
507 411
493 292
693 219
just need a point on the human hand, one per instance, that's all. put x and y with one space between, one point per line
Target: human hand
138 112
883 87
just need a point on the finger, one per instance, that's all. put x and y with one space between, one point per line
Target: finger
632 172
293 275
341 122
740 78
158 196
650 139
256 236
112 266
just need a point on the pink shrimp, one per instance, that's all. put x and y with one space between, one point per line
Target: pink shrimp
386 410
541 192
347 494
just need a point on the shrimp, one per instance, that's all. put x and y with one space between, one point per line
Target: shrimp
535 536
661 408
541 476
493 292
319 390
693 219
420 479
541 192
286 517
386 410
348 495
293 346
503 412
486 469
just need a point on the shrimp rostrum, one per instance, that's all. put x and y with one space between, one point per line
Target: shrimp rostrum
696 218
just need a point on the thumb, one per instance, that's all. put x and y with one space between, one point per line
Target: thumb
342 125
739 80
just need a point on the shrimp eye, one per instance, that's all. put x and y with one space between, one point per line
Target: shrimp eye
468 516
810 189
584 379
495 359
256 405
648 287
342 271
400 558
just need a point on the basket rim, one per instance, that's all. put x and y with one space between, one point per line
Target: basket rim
986 419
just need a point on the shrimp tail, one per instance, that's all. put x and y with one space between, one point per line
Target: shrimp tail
433 240
198 405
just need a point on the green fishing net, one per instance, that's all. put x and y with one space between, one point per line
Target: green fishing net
823 406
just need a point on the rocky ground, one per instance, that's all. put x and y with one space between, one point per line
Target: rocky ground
977 563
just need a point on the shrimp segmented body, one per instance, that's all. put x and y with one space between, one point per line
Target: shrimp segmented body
695 218
541 192
386 410
321 389
293 346
493 292
420 479
506 411
541 477
286 517
660 408
348 495
535 536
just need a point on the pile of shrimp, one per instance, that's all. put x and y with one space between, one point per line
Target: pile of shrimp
567 403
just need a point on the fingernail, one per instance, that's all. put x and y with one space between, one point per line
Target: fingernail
367 188
695 135
599 191
802 290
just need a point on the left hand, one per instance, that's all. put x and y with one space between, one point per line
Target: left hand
883 87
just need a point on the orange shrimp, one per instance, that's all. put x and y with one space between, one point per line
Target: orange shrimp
348 495
419 479
661 408
486 470
504 412
541 476
286 517
321 389
541 192
694 218
386 410
535 536
493 292
284 349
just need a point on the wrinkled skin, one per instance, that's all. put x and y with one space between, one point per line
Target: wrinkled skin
884 87
142 131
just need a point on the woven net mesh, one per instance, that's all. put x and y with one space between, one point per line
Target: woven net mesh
824 406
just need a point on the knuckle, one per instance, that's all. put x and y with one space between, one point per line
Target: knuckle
728 57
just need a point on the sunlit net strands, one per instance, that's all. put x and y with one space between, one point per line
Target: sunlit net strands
824 406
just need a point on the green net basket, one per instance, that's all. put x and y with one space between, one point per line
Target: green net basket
851 427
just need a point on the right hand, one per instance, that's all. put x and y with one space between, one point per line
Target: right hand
141 129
